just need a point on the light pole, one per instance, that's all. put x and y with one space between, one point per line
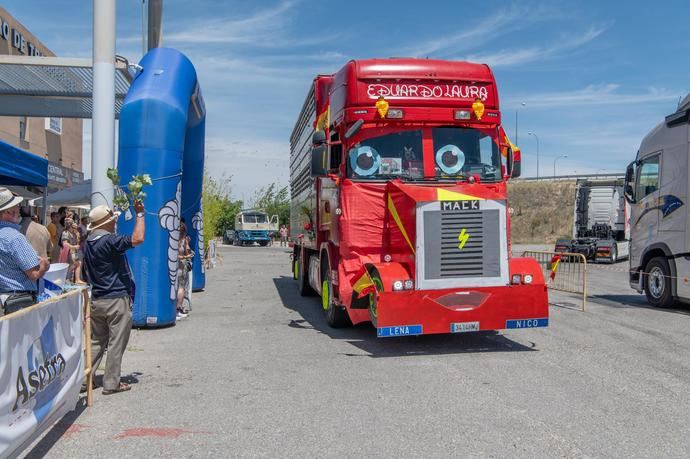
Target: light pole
516 121
554 163
537 138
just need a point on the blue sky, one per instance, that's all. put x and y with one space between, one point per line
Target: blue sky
595 76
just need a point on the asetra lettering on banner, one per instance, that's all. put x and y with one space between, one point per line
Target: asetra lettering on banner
41 369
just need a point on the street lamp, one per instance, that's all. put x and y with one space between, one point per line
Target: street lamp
554 163
516 122
537 138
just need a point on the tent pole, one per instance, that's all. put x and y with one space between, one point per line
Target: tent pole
45 206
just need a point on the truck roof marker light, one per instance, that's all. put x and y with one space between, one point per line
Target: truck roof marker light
382 106
478 108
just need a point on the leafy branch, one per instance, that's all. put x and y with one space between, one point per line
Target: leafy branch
135 189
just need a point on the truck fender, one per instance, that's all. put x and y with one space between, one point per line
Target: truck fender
331 257
388 273
527 266
655 250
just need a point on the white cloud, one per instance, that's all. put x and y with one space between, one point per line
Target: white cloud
266 28
605 94
512 57
500 23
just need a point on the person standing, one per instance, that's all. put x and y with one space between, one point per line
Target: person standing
20 266
283 236
71 247
37 234
53 230
107 270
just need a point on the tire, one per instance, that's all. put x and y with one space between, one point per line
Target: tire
614 254
658 283
336 315
303 277
373 302
263 243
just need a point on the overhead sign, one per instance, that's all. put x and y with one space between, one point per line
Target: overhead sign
427 91
17 39
63 176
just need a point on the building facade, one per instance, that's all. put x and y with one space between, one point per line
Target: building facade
57 139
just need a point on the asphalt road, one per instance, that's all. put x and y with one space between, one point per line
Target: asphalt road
255 371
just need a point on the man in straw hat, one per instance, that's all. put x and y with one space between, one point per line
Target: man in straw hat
107 270
20 266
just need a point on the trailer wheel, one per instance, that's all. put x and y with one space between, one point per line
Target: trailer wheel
336 315
373 301
658 285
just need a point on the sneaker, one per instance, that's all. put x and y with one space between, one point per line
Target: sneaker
181 315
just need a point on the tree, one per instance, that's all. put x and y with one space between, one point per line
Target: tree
274 201
219 209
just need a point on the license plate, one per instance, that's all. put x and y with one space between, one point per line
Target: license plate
463 327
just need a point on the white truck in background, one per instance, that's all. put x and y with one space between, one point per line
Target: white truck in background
656 186
601 228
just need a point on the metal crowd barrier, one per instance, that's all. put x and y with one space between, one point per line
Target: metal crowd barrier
563 271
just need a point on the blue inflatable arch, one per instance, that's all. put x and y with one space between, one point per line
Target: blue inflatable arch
162 125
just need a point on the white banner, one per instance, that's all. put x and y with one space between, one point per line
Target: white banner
41 369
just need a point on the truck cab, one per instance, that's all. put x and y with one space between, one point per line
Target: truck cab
254 226
398 174
656 186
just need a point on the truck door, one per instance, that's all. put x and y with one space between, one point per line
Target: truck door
646 211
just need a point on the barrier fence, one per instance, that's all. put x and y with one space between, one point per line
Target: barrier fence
45 355
566 272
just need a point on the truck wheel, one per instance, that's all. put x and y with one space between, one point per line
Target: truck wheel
303 277
658 285
373 302
614 254
336 315
263 243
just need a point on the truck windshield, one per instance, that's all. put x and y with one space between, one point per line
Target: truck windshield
392 155
461 152
254 218
458 153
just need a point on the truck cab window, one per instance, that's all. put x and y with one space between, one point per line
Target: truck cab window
388 156
461 152
648 179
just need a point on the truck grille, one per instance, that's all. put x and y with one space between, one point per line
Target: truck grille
445 255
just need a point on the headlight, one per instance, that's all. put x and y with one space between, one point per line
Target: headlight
409 284
516 279
528 278
397 286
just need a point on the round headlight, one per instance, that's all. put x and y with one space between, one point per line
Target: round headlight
397 285
528 278
409 284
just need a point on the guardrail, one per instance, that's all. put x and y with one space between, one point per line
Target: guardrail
563 271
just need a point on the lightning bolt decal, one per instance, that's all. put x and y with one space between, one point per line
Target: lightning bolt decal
463 237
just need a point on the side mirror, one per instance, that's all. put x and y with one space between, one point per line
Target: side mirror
514 166
629 188
319 161
318 138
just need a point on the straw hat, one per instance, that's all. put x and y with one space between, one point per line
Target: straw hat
8 199
99 216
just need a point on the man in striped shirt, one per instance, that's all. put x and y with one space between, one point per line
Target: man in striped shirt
20 266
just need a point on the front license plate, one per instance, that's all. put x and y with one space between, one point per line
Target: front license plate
463 327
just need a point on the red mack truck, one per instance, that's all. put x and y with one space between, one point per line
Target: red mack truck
399 211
